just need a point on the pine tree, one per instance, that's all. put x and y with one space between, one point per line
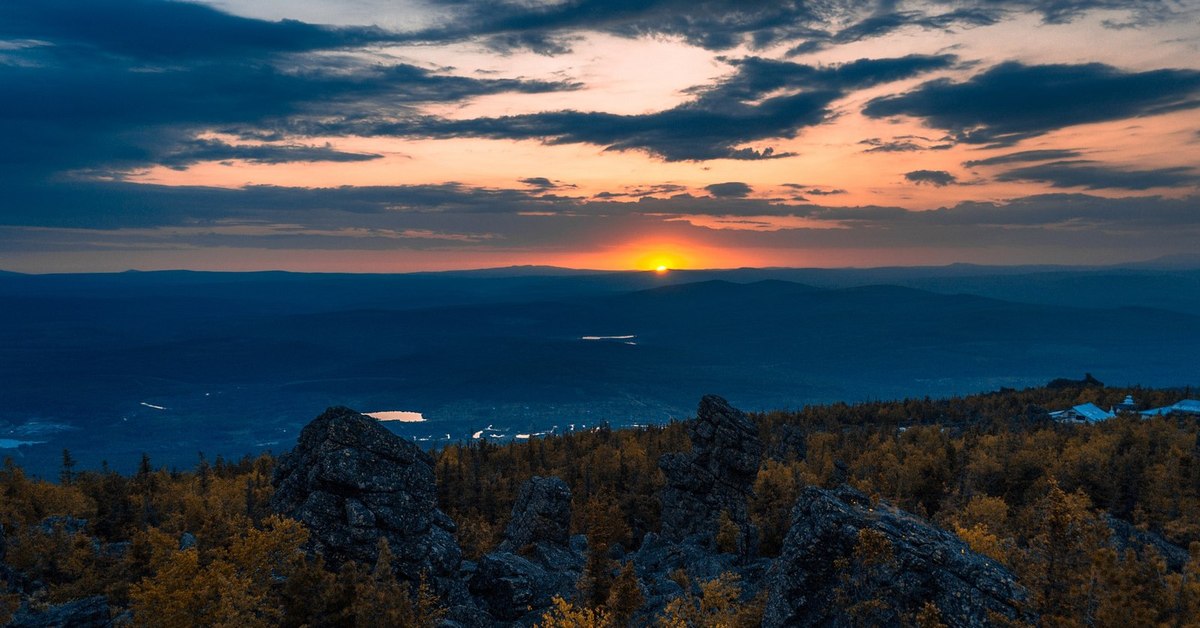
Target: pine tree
625 596
596 580
729 535
68 467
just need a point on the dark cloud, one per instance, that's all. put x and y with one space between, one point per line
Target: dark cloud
1094 175
543 183
539 43
904 144
757 76
712 24
811 190
200 150
937 178
761 100
88 99
1141 13
1151 214
886 21
164 30
1023 157
642 191
1012 101
538 182
895 146
117 205
108 205
730 189
417 218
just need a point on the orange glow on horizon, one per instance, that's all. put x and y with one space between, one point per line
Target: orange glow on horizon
657 255
661 260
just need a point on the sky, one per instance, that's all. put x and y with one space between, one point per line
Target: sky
396 136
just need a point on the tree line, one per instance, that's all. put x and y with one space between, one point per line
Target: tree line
201 546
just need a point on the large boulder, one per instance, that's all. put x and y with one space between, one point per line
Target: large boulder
846 561
536 561
352 482
716 476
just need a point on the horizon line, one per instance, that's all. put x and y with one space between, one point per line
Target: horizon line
1188 263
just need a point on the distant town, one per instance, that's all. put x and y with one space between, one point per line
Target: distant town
1091 413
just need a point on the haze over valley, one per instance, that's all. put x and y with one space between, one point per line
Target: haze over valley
176 363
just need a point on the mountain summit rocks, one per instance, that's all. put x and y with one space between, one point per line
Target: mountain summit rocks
846 561
716 477
541 514
352 482
536 561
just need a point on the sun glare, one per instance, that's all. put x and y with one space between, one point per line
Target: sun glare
661 258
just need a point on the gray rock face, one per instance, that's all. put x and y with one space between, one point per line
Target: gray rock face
536 561
657 559
88 612
818 578
351 482
791 443
717 475
1126 537
541 514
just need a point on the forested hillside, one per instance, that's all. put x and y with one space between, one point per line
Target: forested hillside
1100 523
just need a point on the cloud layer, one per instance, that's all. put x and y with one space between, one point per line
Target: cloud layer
528 127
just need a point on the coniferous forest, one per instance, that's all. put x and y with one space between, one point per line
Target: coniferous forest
1099 524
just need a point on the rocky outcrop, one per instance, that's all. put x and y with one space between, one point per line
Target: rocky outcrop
352 482
842 552
88 612
716 476
541 514
790 443
535 561
658 559
1126 537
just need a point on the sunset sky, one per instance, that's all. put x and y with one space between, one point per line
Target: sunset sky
389 135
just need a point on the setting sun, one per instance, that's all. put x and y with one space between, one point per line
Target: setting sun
661 257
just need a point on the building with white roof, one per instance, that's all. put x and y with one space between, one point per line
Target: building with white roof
1083 413
1187 406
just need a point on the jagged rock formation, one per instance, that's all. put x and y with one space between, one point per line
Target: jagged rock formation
1126 537
88 612
791 443
352 482
819 578
541 514
716 476
536 561
658 558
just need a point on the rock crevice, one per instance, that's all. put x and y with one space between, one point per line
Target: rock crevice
352 482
